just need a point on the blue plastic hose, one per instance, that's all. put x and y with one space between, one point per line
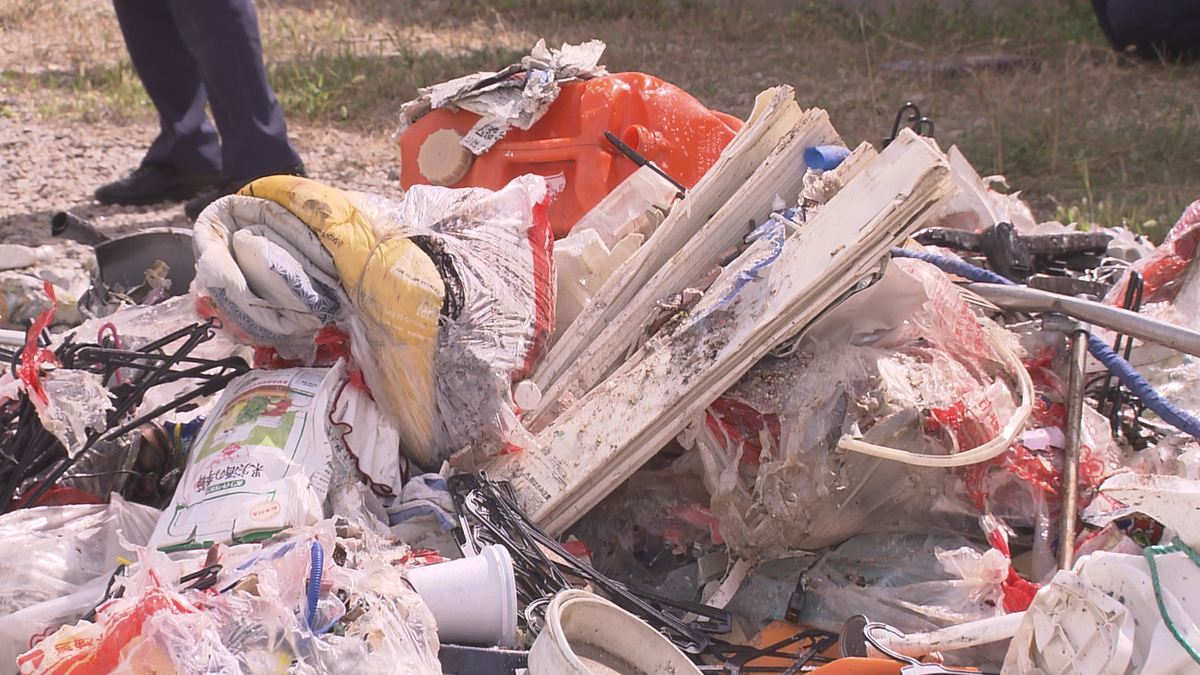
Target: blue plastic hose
314 581
1103 353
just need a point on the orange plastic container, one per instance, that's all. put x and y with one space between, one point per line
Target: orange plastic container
567 146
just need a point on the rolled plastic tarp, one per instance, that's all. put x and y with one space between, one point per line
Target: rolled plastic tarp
397 294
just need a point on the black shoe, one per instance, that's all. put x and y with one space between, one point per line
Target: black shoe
151 183
227 187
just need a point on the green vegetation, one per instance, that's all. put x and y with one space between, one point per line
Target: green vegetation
329 87
91 93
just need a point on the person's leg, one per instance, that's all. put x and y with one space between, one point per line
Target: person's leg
222 37
1166 29
1101 9
187 140
185 158
1183 39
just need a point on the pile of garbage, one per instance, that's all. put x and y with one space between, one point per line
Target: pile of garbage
619 385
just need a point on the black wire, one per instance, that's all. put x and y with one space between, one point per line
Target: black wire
32 450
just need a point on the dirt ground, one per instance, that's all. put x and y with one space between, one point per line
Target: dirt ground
49 166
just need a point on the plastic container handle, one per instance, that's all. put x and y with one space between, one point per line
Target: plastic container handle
982 453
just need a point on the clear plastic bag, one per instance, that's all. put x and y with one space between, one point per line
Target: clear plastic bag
364 617
495 252
58 561
53 550
649 525
943 581
929 382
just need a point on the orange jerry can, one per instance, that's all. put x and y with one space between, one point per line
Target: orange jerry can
663 123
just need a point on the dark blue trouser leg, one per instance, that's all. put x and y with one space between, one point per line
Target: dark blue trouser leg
186 139
1167 29
222 36
217 43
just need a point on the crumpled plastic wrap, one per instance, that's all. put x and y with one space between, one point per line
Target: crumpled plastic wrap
76 401
58 561
909 365
977 205
367 618
24 299
931 384
496 253
939 586
1163 269
648 525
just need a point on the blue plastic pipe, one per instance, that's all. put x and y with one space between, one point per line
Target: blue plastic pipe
1103 353
825 157
314 581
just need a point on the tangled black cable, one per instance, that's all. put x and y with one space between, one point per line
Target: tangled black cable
33 460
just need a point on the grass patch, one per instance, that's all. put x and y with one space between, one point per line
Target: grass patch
337 87
92 94
1045 27
1136 166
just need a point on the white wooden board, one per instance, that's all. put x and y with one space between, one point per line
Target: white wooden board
621 423
775 113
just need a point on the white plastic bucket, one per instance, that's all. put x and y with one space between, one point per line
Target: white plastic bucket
473 600
588 635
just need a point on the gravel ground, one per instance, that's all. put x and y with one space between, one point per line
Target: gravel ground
47 167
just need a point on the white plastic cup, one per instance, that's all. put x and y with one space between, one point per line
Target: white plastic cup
588 635
473 600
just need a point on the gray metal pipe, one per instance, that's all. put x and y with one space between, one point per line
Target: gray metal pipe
70 226
1022 299
1069 512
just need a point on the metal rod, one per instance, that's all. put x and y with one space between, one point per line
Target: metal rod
638 159
1069 512
1021 299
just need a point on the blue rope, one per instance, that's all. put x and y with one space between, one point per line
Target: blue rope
1103 353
